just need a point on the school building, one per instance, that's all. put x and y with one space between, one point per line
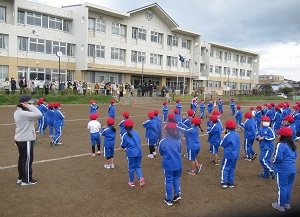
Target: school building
91 43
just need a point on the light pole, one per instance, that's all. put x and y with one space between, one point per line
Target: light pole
142 71
58 54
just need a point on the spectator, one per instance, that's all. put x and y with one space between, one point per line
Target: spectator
23 85
13 85
84 87
7 86
79 87
96 88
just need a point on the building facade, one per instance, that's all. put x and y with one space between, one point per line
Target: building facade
91 43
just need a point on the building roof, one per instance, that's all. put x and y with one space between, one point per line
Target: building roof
232 48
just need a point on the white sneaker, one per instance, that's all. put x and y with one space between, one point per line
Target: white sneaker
112 166
19 181
150 156
99 153
154 153
107 166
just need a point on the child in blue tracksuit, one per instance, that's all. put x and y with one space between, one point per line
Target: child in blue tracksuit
131 142
220 106
111 109
170 150
270 114
93 107
192 143
42 121
177 116
266 137
238 117
214 132
159 128
165 111
232 106
187 123
285 167
178 106
202 109
58 124
210 105
109 133
50 119
231 145
249 136
257 117
194 106
121 124
277 119
94 126
288 121
151 134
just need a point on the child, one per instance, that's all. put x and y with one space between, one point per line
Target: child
232 106
220 105
50 119
109 133
121 124
258 116
131 143
93 107
170 149
249 137
194 106
288 121
214 137
111 109
266 137
178 106
165 112
252 111
192 143
94 126
285 168
187 123
277 119
210 105
159 129
231 145
177 116
202 108
58 124
151 134
42 121
238 117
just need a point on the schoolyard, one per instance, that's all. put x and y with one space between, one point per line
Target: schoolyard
73 183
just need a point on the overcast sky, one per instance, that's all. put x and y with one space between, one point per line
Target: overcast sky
268 27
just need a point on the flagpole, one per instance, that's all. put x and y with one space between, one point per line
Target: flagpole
183 77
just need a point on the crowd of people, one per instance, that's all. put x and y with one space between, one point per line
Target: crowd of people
261 125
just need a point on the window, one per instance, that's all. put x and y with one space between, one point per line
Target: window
55 23
134 32
66 25
138 56
211 68
2 14
242 72
3 72
100 25
245 86
91 50
218 54
171 61
91 24
71 50
34 19
227 71
186 43
156 37
117 54
37 45
118 29
142 34
22 44
100 51
229 57
44 21
235 58
60 46
21 17
3 42
211 54
243 59
155 59
249 61
234 71
186 64
225 56
172 40
249 73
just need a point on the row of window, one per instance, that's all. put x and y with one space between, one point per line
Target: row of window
232 85
45 21
99 25
218 70
227 57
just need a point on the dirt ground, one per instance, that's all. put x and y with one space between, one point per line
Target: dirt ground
73 183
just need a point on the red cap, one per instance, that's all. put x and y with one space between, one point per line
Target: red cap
178 100
232 98
165 103
248 115
230 124
155 112
258 107
265 118
216 112
213 118
269 106
251 108
194 100
110 121
128 123
56 104
289 118
94 116
171 117
171 125
92 101
176 111
125 114
295 107
202 100
112 101
151 115
238 107
285 131
50 105
196 121
265 104
277 107
190 112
